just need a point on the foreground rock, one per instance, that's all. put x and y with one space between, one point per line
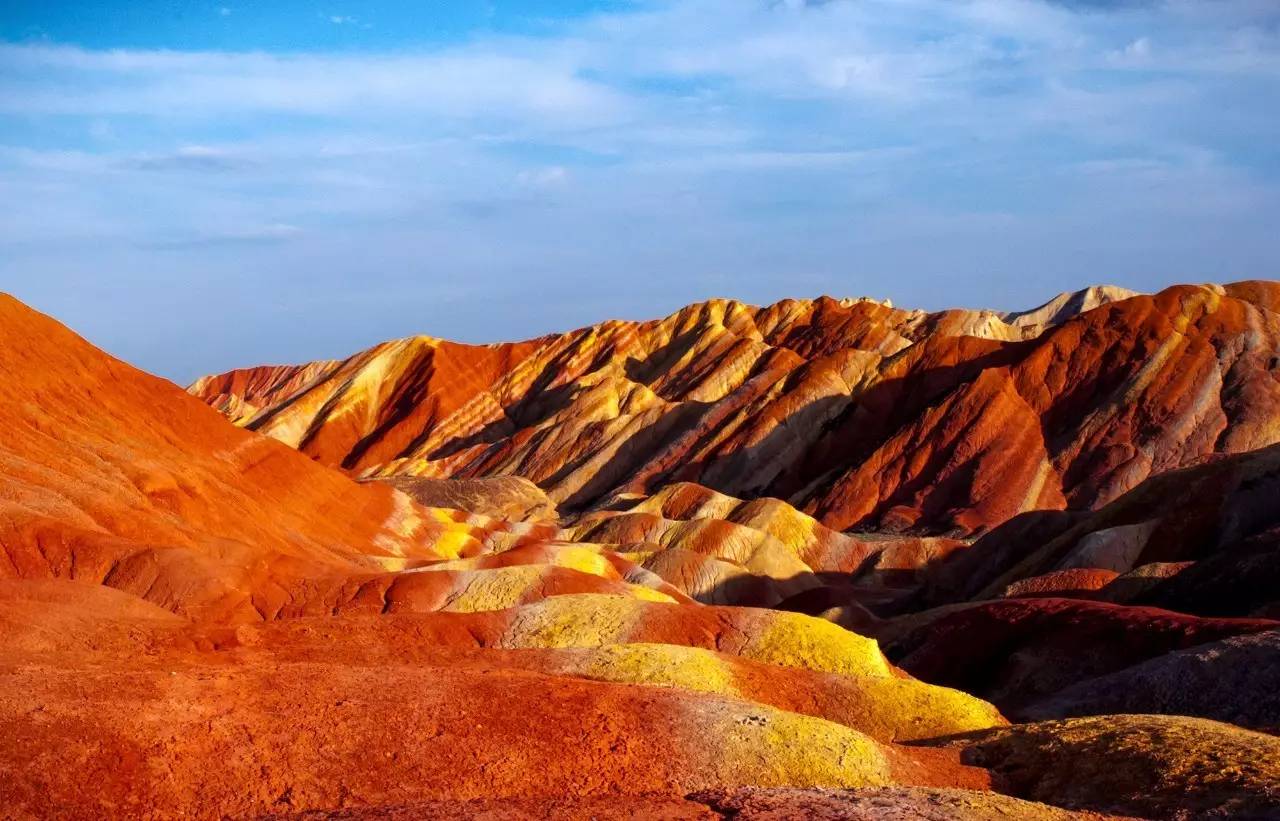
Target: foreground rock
747 804
1161 767
884 804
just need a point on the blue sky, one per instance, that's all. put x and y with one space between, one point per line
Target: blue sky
196 186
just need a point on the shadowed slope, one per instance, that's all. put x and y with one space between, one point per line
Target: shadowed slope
1017 651
1231 680
1149 766
1201 539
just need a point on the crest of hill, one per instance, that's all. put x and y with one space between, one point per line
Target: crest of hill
1066 305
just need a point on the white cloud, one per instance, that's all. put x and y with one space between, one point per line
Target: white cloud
1140 48
543 177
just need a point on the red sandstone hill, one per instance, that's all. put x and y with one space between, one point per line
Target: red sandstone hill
871 417
867 416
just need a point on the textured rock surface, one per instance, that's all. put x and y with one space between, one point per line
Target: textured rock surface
1148 766
748 804
884 804
865 415
609 808
502 497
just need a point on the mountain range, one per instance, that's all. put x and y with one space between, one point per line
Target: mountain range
824 558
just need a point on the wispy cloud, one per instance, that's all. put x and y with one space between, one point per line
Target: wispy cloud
347 20
191 158
244 235
62 80
543 177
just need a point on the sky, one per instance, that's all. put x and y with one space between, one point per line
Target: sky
196 186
